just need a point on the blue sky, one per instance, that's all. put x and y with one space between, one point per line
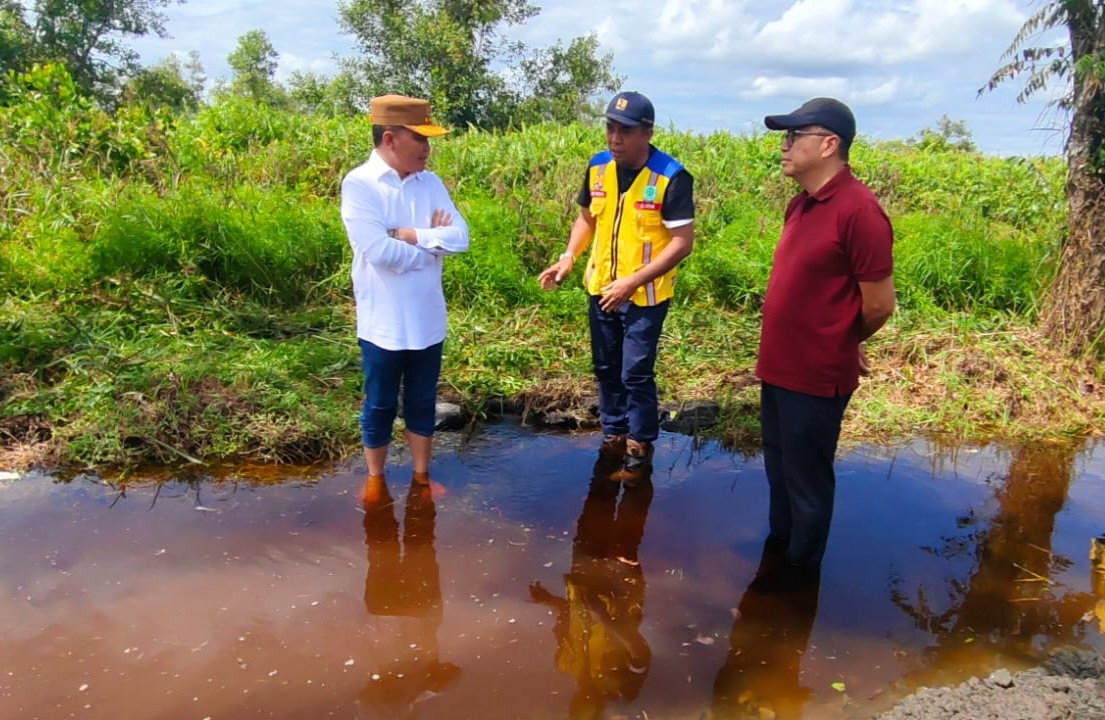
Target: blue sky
723 64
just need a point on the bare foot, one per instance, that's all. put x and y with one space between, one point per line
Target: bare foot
374 492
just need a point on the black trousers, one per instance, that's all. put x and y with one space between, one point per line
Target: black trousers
800 434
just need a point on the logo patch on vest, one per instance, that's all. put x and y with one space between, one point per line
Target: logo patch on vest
650 193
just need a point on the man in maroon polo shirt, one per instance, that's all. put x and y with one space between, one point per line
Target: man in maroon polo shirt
831 288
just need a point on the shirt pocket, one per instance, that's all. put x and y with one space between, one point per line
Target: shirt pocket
650 224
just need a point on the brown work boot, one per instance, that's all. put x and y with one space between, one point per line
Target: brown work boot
611 453
638 454
613 443
634 477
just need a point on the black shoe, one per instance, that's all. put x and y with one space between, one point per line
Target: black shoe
638 455
786 579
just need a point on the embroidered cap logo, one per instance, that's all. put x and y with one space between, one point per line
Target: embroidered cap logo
622 103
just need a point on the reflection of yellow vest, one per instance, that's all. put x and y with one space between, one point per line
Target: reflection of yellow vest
1097 576
629 231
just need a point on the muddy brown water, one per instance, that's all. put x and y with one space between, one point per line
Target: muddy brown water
523 586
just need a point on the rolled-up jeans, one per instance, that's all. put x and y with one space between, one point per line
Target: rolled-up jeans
385 371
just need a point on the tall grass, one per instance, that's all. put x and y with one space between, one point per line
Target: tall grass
246 196
191 298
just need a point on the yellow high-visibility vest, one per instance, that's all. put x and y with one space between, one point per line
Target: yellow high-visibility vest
629 230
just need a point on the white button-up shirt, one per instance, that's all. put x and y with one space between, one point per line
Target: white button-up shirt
400 304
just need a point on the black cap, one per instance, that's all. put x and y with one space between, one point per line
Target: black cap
632 109
828 113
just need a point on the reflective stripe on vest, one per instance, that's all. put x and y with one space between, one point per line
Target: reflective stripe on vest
629 228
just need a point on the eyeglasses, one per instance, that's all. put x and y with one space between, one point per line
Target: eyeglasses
792 134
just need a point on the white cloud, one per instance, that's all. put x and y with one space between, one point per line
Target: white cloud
697 29
718 64
290 63
789 86
827 33
305 36
608 36
845 89
881 94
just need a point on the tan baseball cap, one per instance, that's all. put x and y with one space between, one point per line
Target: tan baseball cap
408 112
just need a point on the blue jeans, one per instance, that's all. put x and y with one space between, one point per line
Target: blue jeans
800 433
384 371
623 351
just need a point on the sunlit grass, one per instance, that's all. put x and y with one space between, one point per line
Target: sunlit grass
196 303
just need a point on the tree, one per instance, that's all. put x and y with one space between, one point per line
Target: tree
318 94
15 37
1073 312
169 84
1001 603
552 80
253 62
87 36
948 135
451 52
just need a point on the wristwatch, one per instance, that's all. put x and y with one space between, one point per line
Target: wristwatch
567 256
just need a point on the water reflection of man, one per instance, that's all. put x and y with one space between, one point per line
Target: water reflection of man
403 589
769 636
1097 574
598 622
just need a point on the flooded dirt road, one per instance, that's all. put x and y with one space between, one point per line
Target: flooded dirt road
524 583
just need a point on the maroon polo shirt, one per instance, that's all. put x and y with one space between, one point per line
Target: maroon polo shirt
832 240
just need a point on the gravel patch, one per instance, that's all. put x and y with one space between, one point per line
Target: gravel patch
1069 685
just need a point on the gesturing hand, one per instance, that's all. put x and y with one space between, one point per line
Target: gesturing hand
555 273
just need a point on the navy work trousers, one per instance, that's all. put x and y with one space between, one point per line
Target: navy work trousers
800 433
623 351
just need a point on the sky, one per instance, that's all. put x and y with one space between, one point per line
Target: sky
712 65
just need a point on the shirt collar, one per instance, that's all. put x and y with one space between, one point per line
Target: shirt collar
379 169
826 191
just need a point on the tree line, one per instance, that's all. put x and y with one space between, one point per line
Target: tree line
452 52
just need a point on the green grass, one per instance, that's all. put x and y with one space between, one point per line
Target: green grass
191 300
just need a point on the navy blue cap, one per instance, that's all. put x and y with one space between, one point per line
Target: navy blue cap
632 109
828 113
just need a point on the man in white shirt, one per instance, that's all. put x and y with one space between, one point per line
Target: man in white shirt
401 222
